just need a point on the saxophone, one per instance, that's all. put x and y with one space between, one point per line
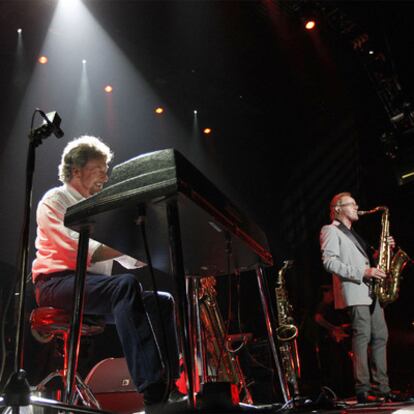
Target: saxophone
286 334
223 362
387 289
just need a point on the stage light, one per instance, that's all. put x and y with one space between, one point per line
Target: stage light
408 175
69 3
108 89
195 112
310 24
19 31
83 61
43 60
159 110
371 52
207 131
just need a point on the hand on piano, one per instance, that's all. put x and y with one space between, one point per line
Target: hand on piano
129 262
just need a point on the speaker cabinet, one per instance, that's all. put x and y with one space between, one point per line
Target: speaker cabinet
112 386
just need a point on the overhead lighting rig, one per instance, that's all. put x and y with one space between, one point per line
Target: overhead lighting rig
378 63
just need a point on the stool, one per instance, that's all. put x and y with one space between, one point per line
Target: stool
49 322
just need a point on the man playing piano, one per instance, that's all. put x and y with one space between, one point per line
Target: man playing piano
83 172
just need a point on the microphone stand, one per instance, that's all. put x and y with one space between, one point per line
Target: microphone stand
17 389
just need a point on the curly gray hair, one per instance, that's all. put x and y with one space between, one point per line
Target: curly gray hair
78 152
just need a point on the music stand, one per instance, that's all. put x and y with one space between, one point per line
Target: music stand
17 390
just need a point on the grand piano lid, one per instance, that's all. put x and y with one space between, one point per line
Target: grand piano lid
154 178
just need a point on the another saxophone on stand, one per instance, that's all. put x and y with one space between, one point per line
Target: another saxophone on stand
286 334
387 290
223 363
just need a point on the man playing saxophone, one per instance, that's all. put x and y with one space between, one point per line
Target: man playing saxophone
347 256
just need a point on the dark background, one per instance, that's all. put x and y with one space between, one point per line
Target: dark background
295 118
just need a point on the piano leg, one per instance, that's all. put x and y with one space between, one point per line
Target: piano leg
177 268
75 330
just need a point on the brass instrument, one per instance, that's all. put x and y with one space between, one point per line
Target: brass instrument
223 362
287 333
387 289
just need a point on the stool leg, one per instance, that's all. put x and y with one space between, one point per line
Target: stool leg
42 384
60 373
86 394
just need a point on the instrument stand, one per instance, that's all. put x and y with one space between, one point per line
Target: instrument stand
17 391
217 395
177 269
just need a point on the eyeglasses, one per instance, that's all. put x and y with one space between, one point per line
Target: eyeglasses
349 204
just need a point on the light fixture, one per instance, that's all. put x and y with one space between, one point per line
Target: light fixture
43 59
207 131
310 24
108 89
159 110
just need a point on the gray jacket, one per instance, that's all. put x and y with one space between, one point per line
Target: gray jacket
347 261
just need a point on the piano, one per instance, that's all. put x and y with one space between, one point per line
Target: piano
211 226
192 229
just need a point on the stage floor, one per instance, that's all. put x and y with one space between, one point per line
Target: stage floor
343 407
353 408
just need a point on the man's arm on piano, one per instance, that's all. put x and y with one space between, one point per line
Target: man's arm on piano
103 253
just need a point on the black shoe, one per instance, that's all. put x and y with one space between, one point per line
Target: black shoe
391 397
155 402
152 408
368 397
176 396
169 407
155 393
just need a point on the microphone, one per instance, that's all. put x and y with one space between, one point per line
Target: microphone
54 124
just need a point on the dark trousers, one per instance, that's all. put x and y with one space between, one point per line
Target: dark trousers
369 329
123 302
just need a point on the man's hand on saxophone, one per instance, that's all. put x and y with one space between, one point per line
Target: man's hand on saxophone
374 273
391 242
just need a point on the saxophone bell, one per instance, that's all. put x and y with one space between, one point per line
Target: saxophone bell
286 333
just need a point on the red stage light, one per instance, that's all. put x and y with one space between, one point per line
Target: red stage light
310 24
207 131
43 60
108 89
159 110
